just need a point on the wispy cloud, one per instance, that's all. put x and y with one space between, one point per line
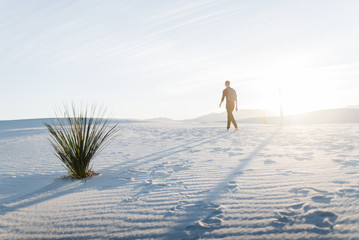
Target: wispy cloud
177 49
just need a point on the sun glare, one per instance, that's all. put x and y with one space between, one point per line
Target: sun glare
303 89
307 96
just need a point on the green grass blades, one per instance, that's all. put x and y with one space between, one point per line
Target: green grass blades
79 137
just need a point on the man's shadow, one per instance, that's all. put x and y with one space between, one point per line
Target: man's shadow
184 229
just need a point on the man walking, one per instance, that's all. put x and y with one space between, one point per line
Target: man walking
231 102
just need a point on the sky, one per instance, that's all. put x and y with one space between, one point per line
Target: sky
157 58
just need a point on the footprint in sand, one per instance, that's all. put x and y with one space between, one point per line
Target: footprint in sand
296 206
307 217
238 173
306 190
324 220
232 186
324 197
340 182
348 193
161 174
146 187
268 162
180 167
347 163
231 154
213 218
131 199
218 149
150 184
203 217
321 199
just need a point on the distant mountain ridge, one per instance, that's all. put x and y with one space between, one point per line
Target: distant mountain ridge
342 115
39 123
240 116
329 116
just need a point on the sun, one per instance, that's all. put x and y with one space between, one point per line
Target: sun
306 95
299 89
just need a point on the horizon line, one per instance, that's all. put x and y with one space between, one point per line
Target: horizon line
172 119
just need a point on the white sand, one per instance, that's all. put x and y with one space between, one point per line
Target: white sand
187 181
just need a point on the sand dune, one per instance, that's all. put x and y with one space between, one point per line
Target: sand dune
186 181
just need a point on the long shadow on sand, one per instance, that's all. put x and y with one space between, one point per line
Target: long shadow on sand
185 231
57 188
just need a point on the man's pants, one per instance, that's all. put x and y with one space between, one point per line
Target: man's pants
230 117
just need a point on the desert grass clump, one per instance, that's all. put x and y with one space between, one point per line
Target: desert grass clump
79 137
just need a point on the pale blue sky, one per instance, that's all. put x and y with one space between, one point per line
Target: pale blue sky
152 58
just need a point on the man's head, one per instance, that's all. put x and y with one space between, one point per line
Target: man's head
227 83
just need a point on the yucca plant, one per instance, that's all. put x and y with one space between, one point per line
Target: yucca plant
78 138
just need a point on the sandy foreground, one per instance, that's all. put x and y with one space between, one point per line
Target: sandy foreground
187 181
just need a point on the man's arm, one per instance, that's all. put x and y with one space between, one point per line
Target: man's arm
222 99
236 103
